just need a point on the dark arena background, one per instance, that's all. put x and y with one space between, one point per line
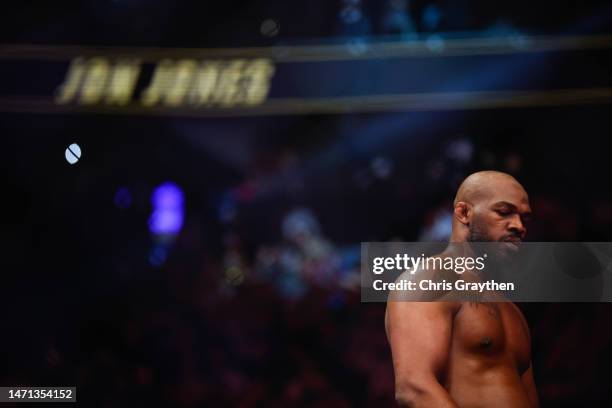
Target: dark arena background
228 160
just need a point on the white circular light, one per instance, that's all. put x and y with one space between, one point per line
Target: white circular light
73 153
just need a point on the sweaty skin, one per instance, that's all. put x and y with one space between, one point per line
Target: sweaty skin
467 354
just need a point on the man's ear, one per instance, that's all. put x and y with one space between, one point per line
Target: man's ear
463 212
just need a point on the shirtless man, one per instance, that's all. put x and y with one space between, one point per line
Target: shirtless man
467 354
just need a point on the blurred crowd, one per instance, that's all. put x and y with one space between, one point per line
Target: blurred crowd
286 328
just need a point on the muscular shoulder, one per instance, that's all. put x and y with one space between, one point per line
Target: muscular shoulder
401 310
404 316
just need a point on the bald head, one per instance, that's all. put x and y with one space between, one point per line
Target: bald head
484 184
490 206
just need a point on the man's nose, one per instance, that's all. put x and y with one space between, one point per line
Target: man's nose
516 225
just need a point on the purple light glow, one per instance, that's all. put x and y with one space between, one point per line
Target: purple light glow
168 209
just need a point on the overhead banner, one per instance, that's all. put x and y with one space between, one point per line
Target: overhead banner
432 74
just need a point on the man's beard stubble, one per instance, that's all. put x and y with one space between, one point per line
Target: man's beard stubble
498 256
477 232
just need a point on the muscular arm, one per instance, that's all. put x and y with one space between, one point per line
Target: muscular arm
420 334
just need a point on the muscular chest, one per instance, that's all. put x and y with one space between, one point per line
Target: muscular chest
492 330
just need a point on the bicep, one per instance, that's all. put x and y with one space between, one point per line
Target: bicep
419 334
